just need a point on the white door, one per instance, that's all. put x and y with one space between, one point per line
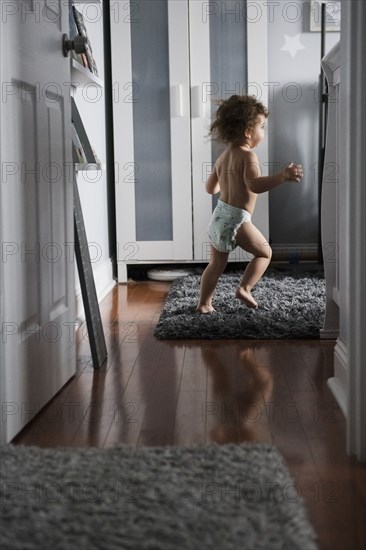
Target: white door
37 269
219 31
150 56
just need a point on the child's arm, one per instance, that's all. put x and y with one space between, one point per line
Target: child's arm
212 183
260 184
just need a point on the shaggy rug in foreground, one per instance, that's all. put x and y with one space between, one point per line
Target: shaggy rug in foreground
290 306
224 497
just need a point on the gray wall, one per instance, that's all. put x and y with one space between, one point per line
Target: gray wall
293 120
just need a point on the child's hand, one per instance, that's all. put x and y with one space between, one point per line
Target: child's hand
293 172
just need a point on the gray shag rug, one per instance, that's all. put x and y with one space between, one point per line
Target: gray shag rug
290 306
224 497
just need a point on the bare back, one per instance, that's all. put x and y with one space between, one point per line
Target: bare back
230 168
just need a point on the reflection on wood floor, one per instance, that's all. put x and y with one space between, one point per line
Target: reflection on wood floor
184 393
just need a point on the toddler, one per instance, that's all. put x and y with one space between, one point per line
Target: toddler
240 122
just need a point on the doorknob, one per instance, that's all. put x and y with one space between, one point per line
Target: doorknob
78 45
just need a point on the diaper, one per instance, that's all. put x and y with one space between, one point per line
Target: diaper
224 224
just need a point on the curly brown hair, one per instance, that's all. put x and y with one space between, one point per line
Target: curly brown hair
234 116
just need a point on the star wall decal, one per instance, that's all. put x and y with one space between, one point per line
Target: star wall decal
292 44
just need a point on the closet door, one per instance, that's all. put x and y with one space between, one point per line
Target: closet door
228 56
152 131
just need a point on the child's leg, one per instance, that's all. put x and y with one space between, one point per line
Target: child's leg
251 239
209 279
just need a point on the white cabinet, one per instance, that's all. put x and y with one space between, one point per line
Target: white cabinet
171 59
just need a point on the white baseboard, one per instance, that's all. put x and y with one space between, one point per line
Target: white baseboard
338 384
104 282
338 393
122 272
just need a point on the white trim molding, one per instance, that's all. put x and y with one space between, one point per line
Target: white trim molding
104 282
330 195
352 197
338 384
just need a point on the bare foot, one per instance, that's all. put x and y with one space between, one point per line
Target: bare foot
246 297
205 309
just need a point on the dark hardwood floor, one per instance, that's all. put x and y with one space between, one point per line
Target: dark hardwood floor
152 392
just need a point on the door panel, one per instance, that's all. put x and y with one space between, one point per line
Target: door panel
23 259
151 119
55 249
